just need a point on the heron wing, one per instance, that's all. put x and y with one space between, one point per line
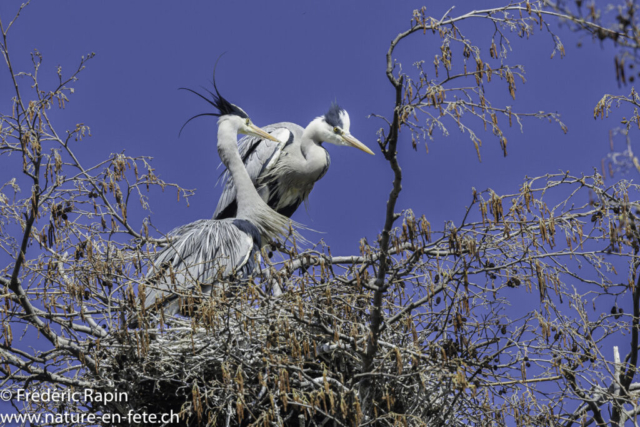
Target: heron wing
259 157
202 252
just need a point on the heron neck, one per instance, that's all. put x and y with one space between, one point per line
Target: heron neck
246 194
311 138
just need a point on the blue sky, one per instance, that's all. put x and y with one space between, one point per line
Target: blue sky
287 61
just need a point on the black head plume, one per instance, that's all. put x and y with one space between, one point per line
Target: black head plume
222 106
333 115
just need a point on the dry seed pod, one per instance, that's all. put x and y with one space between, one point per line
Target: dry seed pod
514 282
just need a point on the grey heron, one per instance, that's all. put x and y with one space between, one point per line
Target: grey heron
211 251
285 172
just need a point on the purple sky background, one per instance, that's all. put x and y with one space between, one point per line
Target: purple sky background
287 61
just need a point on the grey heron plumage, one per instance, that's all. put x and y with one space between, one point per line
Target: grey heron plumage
209 251
285 172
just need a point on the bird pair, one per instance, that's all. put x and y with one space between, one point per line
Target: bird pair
266 179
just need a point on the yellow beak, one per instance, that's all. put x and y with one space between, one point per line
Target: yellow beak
352 141
256 131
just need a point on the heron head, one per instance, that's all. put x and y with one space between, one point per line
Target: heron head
248 128
334 129
228 111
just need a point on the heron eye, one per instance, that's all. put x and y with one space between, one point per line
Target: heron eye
247 121
337 130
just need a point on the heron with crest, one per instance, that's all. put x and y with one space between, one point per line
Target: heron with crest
212 251
285 171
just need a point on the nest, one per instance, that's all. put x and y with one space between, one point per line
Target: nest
255 361
232 363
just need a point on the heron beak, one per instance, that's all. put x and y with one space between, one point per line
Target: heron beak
256 131
353 142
